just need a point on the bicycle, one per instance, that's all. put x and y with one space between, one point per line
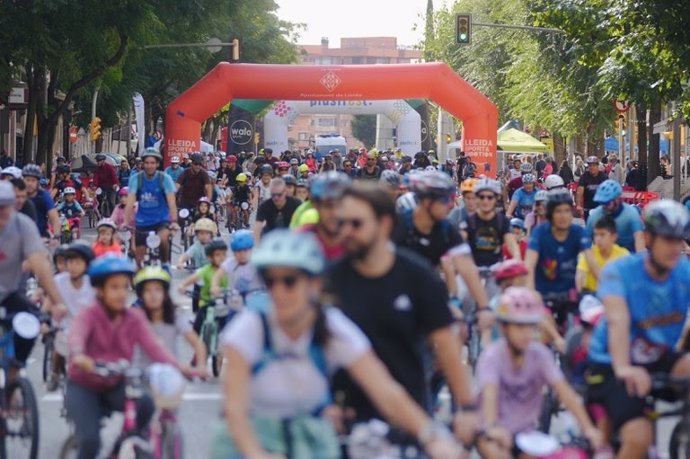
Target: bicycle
19 422
679 444
48 341
104 207
129 443
185 217
216 311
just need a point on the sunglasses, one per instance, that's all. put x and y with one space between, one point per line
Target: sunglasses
288 281
277 195
486 197
356 223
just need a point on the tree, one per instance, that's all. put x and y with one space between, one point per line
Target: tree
364 129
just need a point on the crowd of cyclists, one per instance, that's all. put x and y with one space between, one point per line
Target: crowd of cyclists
363 286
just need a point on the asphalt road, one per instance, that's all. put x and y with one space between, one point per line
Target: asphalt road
200 410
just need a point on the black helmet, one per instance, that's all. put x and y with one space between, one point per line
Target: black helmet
62 169
80 249
266 169
667 218
59 252
555 198
32 170
289 179
196 158
100 157
215 245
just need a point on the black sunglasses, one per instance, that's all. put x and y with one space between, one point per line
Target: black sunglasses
288 281
486 197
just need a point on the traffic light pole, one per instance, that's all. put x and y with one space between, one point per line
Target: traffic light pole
94 102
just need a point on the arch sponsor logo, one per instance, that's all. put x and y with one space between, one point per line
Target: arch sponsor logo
241 132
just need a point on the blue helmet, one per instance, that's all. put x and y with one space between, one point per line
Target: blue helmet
607 191
241 240
109 265
328 185
517 223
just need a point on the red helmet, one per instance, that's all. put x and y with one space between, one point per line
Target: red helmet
509 269
232 159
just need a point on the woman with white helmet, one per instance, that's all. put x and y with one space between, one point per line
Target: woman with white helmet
273 401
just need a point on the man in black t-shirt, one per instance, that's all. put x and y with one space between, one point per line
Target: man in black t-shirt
275 212
426 231
587 187
371 171
397 301
487 230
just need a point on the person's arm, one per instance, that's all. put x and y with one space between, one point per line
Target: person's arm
209 189
594 268
172 206
191 280
199 350
572 403
216 280
54 218
579 197
236 390
580 276
464 265
449 276
396 405
531 259
511 243
640 245
39 265
511 207
80 209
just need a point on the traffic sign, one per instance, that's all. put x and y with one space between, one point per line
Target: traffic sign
621 106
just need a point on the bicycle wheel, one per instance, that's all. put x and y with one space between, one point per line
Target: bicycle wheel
679 444
21 418
216 363
48 347
206 337
70 448
548 409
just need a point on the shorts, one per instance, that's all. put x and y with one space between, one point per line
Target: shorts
603 388
142 232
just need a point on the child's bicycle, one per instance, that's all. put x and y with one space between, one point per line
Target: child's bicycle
216 313
19 434
130 443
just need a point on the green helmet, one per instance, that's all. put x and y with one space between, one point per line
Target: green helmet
285 248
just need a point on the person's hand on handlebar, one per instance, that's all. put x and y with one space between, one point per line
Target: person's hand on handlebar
637 381
84 362
174 227
444 447
594 437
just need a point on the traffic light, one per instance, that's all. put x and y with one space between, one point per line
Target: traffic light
449 139
95 129
235 56
257 138
463 29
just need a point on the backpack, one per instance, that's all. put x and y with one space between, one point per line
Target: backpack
140 182
316 354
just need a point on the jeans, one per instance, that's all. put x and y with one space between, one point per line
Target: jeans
86 408
18 302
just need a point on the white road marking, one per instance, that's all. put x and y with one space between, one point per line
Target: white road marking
192 396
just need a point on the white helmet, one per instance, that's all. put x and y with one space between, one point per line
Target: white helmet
487 184
541 196
175 160
554 181
13 171
406 202
167 385
69 190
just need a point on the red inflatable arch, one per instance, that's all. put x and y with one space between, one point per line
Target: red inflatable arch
435 81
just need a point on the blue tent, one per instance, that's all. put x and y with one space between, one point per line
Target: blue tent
611 144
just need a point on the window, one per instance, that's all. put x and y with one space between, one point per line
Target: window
325 122
383 60
371 60
358 60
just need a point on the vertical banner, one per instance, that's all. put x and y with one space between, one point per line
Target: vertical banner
139 116
240 130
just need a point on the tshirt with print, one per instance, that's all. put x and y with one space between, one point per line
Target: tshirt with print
658 309
485 237
274 217
590 183
396 311
442 240
557 262
19 239
525 202
291 384
520 389
153 202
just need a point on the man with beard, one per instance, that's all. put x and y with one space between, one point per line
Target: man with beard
326 191
397 301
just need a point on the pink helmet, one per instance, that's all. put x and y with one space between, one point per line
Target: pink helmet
509 269
520 305
204 199
124 191
591 310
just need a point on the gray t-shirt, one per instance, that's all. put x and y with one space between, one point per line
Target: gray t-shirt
168 335
19 239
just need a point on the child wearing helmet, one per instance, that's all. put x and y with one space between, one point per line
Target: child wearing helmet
517 227
118 215
107 241
70 207
239 274
216 252
240 199
108 332
204 230
523 199
204 210
517 364
77 293
152 285
538 214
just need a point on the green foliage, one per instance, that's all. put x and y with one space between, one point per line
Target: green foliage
364 129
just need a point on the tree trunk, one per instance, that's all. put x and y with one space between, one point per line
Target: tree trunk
641 124
653 165
35 87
